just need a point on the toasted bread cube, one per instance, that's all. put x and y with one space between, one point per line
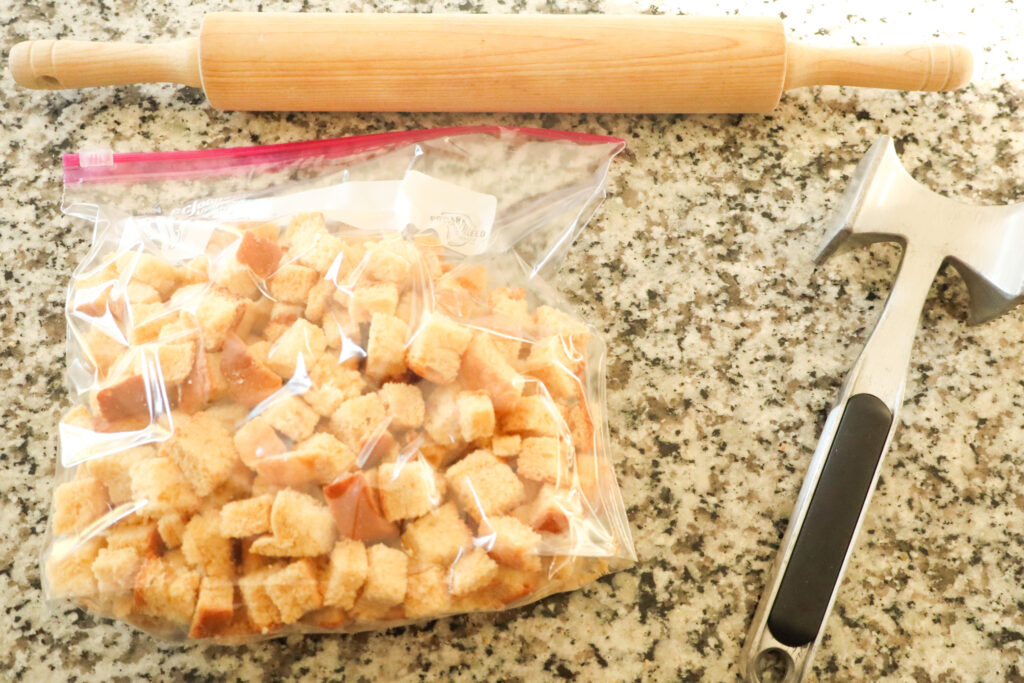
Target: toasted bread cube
123 400
319 251
256 440
175 361
511 542
303 226
389 260
355 503
316 303
345 574
260 254
485 368
147 320
438 537
506 445
215 607
472 572
441 421
536 415
292 282
319 459
333 384
365 299
171 528
550 362
544 458
386 349
259 606
143 537
205 452
161 483
292 417
167 590
249 380
236 278
204 547
295 590
115 570
242 518
403 404
285 314
408 490
552 511
581 426
483 485
101 350
77 504
149 270
257 315
229 413
476 415
302 338
69 567
219 312
300 526
510 303
513 584
427 593
357 419
204 384
77 417
551 321
437 347
386 576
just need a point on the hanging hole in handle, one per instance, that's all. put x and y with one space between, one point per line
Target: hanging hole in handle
773 666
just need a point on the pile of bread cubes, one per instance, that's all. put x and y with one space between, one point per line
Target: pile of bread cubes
339 432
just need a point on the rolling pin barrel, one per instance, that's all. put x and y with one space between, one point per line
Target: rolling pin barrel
496 63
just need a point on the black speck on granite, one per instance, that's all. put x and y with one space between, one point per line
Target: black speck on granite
726 348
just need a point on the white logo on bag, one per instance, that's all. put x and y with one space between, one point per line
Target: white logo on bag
458 229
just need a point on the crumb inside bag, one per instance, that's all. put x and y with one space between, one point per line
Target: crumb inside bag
311 428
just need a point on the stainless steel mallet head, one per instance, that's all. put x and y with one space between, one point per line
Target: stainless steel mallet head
986 246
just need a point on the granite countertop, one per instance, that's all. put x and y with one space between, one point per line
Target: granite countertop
726 349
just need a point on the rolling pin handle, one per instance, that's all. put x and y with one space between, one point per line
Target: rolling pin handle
937 67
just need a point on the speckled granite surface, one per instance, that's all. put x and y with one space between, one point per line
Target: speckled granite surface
727 349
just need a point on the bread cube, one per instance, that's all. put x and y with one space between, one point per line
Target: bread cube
476 415
511 303
260 608
236 278
408 490
204 384
77 504
218 312
291 283
581 426
441 421
171 528
257 315
115 570
333 384
256 440
205 452
260 254
149 270
69 567
215 607
550 321
302 338
483 485
438 537
166 590
536 415
386 576
125 399
248 517
472 571
302 227
552 511
316 303
248 379
294 590
162 485
435 352
203 545
427 593
389 260
506 445
365 299
355 503
130 532
300 526
358 419
345 574
175 361
386 349
513 584
403 404
511 542
485 368
550 362
292 417
544 458
318 251
319 459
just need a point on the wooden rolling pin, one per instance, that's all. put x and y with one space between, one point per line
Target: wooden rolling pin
472 62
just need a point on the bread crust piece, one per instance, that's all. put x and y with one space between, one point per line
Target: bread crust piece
249 381
215 607
320 459
355 503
